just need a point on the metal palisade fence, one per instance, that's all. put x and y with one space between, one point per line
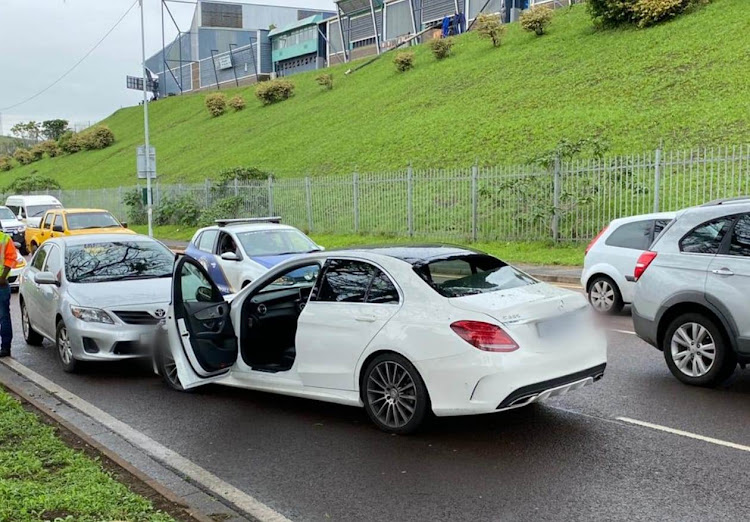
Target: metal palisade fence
567 201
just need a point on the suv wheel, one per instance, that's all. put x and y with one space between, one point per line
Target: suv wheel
696 352
604 295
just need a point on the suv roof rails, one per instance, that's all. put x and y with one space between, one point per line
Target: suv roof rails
724 201
242 221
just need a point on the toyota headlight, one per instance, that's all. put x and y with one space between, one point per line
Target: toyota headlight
91 315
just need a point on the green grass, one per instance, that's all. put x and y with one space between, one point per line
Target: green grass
519 252
43 479
683 82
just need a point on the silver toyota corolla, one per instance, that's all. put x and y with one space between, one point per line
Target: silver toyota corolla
97 297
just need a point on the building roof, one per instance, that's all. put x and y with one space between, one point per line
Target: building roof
310 20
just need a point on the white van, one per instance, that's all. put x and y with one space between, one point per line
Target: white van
31 209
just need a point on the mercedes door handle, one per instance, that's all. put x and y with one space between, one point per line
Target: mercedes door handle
365 318
723 272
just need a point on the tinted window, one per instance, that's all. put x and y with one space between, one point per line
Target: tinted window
92 220
226 244
206 241
632 235
195 286
39 210
470 274
740 245
48 220
706 238
117 261
14 209
58 224
40 257
6 213
355 282
54 261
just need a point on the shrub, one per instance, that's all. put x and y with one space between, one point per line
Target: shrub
441 47
36 152
226 208
274 91
325 80
651 12
242 174
95 138
23 156
237 103
490 26
32 183
611 13
5 163
536 19
216 104
178 210
404 61
50 148
137 215
69 142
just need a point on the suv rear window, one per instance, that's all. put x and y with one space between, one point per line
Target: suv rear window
470 274
706 238
636 235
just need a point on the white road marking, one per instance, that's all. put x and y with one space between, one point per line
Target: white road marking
681 433
158 451
622 331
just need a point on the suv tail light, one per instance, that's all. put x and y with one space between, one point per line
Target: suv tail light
484 336
642 264
596 238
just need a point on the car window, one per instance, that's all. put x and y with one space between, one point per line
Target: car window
226 244
40 257
48 220
39 210
14 209
195 285
740 244
58 224
275 242
53 261
6 213
84 220
706 238
206 241
632 235
101 261
347 281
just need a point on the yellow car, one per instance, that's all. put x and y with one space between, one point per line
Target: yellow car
73 222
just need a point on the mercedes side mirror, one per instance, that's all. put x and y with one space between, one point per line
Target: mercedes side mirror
230 256
46 278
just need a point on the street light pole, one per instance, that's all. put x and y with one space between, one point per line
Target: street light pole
149 203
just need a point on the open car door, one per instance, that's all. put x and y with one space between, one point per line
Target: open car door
201 336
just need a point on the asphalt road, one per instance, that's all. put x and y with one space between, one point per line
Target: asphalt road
566 459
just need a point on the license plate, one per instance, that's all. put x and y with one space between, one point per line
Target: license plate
564 325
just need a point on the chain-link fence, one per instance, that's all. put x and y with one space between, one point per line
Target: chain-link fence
569 201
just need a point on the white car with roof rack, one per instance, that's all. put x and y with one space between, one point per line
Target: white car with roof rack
401 331
236 252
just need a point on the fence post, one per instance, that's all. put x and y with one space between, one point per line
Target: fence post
556 201
157 201
355 196
236 188
270 196
121 211
474 200
410 200
657 178
208 192
308 201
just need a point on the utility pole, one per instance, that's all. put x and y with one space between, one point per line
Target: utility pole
149 210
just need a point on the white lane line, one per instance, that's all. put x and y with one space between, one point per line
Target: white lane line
687 434
174 460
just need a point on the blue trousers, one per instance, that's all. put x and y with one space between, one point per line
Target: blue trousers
6 328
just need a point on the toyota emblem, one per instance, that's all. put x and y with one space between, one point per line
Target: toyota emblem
160 312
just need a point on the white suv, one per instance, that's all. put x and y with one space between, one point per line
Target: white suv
692 300
611 256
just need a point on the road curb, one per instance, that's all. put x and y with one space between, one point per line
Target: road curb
50 405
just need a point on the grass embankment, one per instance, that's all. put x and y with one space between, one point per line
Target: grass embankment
683 82
43 479
519 252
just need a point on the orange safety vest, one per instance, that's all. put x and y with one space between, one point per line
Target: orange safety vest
8 252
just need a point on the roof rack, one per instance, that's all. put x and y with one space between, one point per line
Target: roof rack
723 201
242 221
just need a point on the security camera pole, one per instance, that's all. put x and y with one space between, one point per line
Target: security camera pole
145 125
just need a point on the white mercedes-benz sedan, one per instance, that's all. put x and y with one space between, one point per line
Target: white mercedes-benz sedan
102 297
402 331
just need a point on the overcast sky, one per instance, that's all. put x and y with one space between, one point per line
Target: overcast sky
41 39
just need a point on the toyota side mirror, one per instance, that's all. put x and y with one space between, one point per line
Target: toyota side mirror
230 256
124 225
57 228
46 278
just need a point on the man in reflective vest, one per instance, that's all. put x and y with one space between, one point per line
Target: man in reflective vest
8 254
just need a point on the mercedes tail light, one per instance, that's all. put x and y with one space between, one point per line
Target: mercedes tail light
484 336
596 238
642 264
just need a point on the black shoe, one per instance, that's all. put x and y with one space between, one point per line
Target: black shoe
4 353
